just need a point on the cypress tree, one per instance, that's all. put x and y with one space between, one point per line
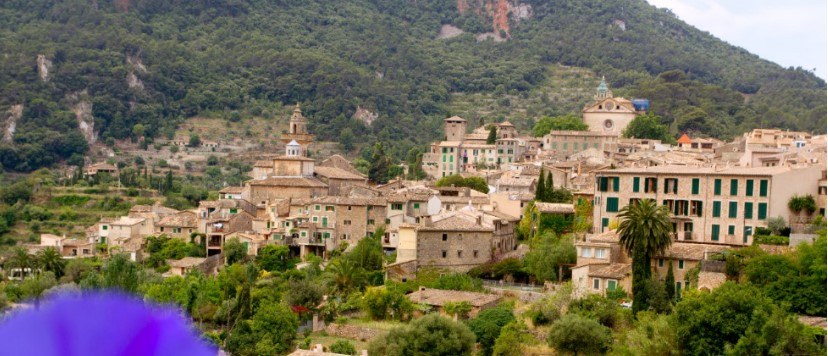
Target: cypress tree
670 283
378 172
540 194
492 135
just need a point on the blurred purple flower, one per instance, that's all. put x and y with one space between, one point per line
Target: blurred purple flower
100 323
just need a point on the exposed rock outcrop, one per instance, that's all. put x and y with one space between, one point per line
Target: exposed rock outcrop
501 13
82 108
9 122
449 31
44 65
366 116
135 64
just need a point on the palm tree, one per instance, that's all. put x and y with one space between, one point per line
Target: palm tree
345 275
644 231
21 259
51 260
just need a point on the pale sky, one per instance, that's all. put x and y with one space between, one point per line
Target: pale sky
788 32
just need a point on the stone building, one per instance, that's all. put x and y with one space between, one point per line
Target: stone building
607 113
569 142
180 225
457 241
707 204
298 129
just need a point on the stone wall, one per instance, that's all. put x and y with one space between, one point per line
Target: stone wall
353 332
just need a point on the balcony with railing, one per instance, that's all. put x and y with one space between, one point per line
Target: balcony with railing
214 241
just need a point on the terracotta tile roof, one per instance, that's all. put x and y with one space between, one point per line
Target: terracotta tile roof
289 182
612 270
232 190
336 173
263 164
77 242
684 139
455 223
440 297
182 219
402 198
337 200
127 221
465 200
555 208
607 237
516 182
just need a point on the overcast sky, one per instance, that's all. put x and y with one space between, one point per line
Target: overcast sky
788 32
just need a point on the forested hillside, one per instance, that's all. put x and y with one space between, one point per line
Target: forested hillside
76 71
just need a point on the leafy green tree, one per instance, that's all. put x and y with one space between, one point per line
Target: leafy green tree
459 310
600 308
304 292
644 231
707 322
119 272
195 141
270 331
367 254
651 335
477 183
346 139
343 347
574 333
382 303
275 258
548 254
568 122
488 325
782 334
431 335
512 340
234 251
51 260
492 138
649 126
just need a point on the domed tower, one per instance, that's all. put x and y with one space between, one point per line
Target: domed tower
603 91
297 129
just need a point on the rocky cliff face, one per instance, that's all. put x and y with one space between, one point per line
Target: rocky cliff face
502 13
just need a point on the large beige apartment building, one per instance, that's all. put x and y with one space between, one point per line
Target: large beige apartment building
713 205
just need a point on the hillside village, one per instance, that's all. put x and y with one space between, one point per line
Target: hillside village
721 196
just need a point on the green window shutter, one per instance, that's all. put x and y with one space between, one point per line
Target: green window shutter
734 187
444 157
616 184
700 210
763 211
749 188
717 187
604 184
416 205
748 210
636 182
731 229
604 223
612 205
695 186
717 209
732 208
714 233
763 188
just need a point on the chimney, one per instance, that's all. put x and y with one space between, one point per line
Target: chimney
422 288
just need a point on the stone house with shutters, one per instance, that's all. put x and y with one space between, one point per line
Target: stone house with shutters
327 222
180 225
718 205
456 240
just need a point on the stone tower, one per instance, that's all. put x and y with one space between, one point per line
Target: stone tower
297 129
455 127
603 91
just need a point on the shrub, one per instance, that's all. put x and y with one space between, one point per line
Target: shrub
575 333
771 240
343 347
487 326
429 335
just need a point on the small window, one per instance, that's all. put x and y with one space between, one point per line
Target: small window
317 207
681 264
105 227
661 262
234 211
611 284
474 253
329 208
586 252
315 219
596 283
370 221
416 205
347 222
444 253
459 254
445 237
600 253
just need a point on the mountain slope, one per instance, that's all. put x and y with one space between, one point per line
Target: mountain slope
108 65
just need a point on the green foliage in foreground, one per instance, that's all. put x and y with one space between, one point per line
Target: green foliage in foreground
488 325
568 122
429 335
574 333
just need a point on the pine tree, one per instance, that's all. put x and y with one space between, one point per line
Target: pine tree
670 282
539 190
168 182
